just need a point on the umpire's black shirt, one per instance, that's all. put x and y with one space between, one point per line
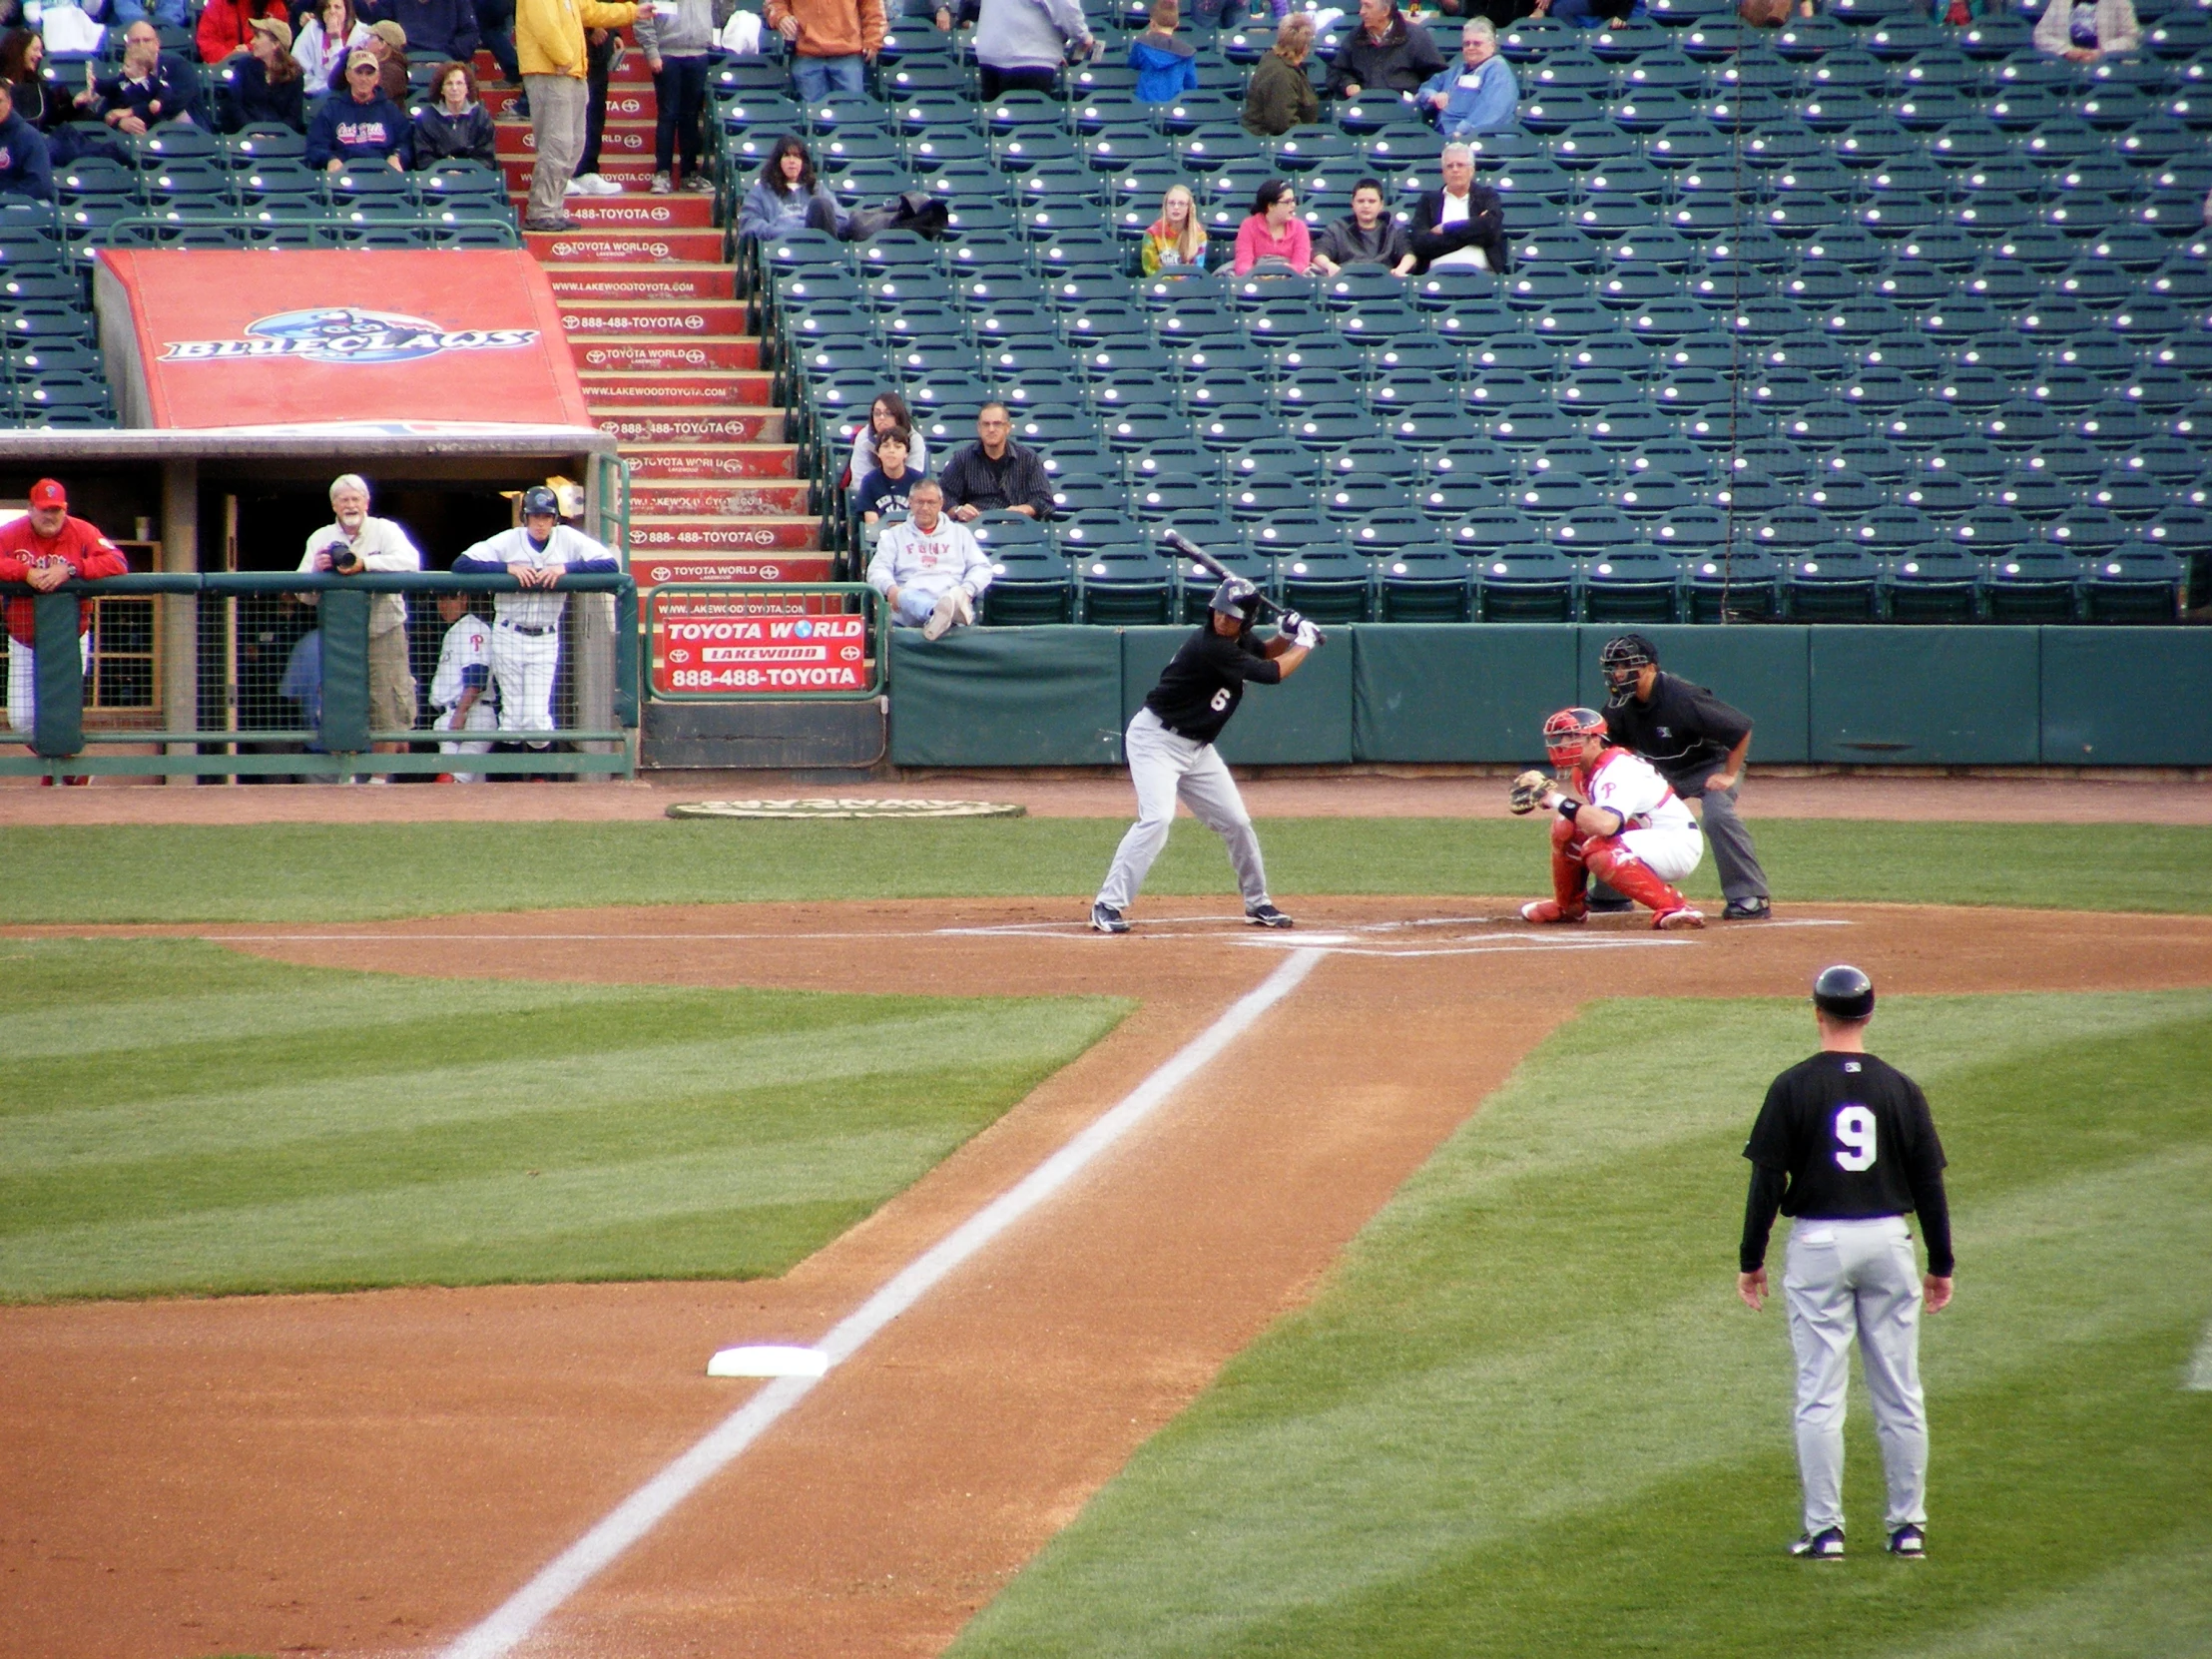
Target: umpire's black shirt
1851 1137
1202 687
1683 729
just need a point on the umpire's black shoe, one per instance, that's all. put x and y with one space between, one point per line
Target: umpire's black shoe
1106 919
1748 909
1820 1546
1611 906
1264 914
1909 1541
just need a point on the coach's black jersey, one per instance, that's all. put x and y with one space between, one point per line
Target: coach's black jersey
1854 1138
1202 687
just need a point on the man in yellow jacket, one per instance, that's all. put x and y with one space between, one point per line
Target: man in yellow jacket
549 45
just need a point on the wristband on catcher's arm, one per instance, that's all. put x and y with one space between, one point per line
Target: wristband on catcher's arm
1568 806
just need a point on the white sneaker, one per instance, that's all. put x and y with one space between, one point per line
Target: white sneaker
947 613
661 186
601 184
963 606
576 187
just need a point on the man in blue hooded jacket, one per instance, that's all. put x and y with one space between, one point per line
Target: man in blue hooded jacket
1479 93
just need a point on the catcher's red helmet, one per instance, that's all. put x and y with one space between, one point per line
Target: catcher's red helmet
1564 732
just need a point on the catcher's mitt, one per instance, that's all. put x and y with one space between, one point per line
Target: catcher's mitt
1527 792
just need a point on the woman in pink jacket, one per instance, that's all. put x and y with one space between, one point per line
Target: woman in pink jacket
1274 238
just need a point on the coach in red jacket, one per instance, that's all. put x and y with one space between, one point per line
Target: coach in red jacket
46 549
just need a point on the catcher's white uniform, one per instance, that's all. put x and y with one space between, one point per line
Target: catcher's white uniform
1660 833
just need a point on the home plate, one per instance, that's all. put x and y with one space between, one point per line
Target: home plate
769 1361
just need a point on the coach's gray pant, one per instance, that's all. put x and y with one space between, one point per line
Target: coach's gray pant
1166 766
1847 1279
558 104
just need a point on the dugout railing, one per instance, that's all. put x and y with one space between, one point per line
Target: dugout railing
210 675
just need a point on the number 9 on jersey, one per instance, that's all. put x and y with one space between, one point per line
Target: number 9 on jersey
1854 1138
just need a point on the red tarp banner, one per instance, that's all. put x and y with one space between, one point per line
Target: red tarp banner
432 342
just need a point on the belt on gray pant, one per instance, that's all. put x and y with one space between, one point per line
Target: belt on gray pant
521 628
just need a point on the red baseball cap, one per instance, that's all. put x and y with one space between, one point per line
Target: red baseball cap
47 493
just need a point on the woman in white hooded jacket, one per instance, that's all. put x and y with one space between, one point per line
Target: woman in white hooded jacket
2085 30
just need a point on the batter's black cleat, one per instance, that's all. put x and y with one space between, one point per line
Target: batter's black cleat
1748 909
1909 1543
1820 1546
1106 919
1264 914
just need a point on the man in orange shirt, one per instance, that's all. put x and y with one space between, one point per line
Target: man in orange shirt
45 549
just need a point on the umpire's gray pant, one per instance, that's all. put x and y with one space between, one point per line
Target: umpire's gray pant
1845 1279
1166 766
1732 857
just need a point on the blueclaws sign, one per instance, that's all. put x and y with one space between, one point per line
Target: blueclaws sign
346 335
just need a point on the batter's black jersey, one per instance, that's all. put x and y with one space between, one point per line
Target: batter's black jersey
1201 689
1684 727
1854 1139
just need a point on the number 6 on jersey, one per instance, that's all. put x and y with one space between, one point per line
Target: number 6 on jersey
1854 1138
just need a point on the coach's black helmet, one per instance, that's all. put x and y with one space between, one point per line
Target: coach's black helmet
1844 992
1624 654
1238 598
538 499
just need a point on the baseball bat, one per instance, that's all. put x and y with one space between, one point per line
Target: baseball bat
1212 566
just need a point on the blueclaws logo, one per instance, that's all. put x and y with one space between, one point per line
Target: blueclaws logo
342 334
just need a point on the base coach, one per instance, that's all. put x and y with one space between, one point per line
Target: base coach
1697 743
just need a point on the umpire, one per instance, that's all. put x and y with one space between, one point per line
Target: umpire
1845 1145
1697 742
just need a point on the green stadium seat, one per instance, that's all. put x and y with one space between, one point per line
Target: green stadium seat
1935 583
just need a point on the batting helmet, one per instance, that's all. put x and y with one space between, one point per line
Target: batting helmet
1844 992
1564 732
1238 598
538 499
1624 654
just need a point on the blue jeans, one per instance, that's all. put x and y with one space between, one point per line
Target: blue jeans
814 78
679 95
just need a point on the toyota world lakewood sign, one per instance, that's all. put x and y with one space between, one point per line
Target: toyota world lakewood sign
347 334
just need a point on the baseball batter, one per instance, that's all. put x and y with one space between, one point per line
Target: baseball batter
1170 744
526 625
460 691
1617 820
1846 1146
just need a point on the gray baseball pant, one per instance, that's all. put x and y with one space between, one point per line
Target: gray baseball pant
1166 767
1845 1279
558 106
1738 865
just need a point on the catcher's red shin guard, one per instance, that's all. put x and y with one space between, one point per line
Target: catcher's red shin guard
1623 871
1570 882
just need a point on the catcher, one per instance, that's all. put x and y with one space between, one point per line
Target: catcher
1617 820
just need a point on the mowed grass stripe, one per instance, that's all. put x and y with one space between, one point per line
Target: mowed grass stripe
1527 1416
302 873
395 1131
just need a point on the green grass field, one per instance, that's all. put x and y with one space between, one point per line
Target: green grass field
178 1118
1527 1416
294 872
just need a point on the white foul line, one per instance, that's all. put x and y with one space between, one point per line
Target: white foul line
2200 1368
646 1508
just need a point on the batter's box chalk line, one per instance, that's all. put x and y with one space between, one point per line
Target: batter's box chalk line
2199 1376
847 806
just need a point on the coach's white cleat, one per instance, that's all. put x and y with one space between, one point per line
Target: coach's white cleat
1106 919
1666 922
1820 1546
1909 1543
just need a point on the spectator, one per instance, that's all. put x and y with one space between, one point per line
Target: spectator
928 569
227 26
324 42
994 474
163 14
389 42
26 165
1176 242
357 543
441 30
2083 31
151 86
887 413
1463 223
1280 96
495 22
267 82
787 197
1618 14
456 127
1274 238
526 625
676 49
1477 95
1385 55
1021 44
831 40
1166 67
550 45
602 47
460 690
361 126
1960 14
1365 235
21 53
47 547
889 488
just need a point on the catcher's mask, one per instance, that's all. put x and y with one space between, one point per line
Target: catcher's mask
1238 598
1564 732
1621 660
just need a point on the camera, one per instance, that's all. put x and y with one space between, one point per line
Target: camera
345 562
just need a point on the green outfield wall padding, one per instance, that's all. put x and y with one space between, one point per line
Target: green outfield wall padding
1007 697
344 619
2127 697
58 676
1760 670
1467 692
1306 721
1925 696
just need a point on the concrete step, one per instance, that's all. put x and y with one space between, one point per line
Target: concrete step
620 137
627 100
630 72
709 498
656 319
707 388
647 356
600 245
800 564
634 173
634 212
773 465
675 425
689 537
654 282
